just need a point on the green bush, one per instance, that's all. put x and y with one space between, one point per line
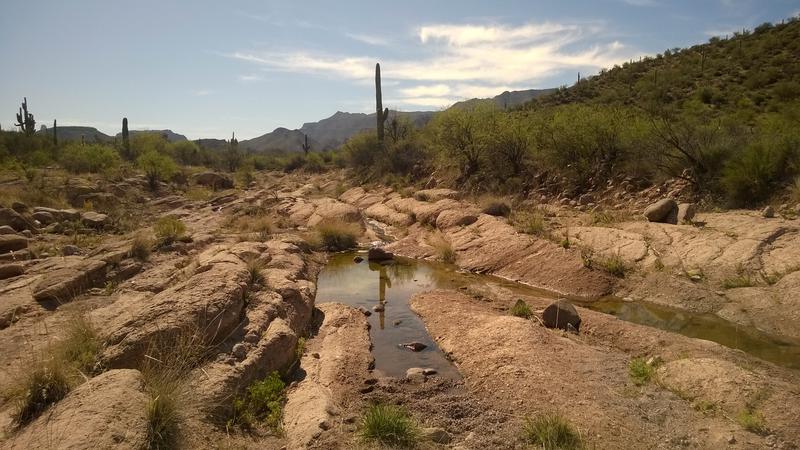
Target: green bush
92 158
169 229
521 309
336 235
551 432
640 372
157 167
389 425
262 403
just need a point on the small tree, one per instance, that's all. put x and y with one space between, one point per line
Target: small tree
156 167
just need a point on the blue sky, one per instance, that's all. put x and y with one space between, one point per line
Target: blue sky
206 68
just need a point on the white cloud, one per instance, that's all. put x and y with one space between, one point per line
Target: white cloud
464 61
250 77
368 39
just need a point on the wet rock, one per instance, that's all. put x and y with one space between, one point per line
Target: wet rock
14 220
414 346
768 212
12 242
663 211
69 250
10 270
93 219
397 322
365 311
213 180
358 259
45 218
377 254
686 212
379 308
416 375
562 315
5 229
239 351
437 435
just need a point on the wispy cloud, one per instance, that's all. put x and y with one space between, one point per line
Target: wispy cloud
368 39
641 2
461 60
202 92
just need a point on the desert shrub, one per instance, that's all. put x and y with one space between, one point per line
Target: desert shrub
640 372
198 193
169 229
443 248
529 222
551 432
388 425
314 163
752 421
294 163
262 403
336 235
141 246
259 224
751 176
157 167
93 158
521 309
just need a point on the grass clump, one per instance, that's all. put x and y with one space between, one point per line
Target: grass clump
81 345
497 208
521 309
640 372
443 248
614 265
255 274
141 247
551 431
738 281
336 236
169 229
529 222
262 403
389 425
752 421
45 383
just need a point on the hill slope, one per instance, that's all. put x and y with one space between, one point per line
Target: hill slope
74 133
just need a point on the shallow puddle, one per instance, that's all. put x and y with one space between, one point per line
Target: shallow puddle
368 285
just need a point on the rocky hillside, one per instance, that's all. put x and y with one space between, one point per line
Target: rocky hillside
279 141
509 99
169 134
74 133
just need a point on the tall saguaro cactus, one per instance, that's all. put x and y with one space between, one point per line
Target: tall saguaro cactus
25 120
55 133
306 147
381 113
126 143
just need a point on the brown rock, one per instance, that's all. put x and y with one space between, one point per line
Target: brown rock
65 283
14 220
12 242
93 219
686 212
5 229
768 212
664 211
45 218
213 180
455 218
11 270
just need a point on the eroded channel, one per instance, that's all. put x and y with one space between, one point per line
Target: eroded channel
368 285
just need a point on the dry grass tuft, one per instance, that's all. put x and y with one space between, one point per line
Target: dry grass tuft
335 235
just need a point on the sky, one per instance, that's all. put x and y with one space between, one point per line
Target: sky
208 68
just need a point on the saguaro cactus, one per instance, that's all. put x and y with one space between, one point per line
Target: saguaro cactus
25 120
55 133
381 113
306 147
126 143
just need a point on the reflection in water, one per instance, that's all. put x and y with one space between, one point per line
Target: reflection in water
391 286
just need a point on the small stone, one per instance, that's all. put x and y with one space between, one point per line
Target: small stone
27 233
239 351
397 322
365 311
69 250
379 308
93 219
562 315
251 337
414 346
768 212
732 439
5 229
358 259
437 435
428 371
654 361
315 355
416 374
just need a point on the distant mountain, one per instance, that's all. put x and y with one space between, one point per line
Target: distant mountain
212 144
66 134
279 140
509 99
169 134
336 129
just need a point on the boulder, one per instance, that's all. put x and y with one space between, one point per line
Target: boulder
686 212
93 219
106 412
69 250
65 283
414 346
5 229
11 270
454 218
45 218
434 195
663 211
14 220
377 254
768 212
12 243
562 315
19 207
213 180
